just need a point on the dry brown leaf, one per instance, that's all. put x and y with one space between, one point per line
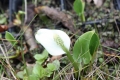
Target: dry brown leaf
29 37
3 28
57 15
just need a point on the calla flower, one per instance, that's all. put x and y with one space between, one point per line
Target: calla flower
54 41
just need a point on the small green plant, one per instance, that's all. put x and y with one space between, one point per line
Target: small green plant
57 42
78 7
37 71
9 37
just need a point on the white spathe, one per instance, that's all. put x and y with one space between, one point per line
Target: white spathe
46 38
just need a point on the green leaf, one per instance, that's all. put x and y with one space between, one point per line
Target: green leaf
20 74
51 66
29 69
39 71
41 57
40 62
57 64
21 12
10 38
3 19
85 46
33 77
78 6
48 74
94 43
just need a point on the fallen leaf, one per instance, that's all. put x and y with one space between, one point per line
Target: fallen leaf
57 15
3 28
29 37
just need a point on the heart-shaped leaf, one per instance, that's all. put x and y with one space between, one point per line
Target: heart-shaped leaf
85 46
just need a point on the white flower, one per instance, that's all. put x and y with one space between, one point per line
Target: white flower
53 40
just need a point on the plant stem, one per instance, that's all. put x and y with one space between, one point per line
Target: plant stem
75 65
60 43
82 17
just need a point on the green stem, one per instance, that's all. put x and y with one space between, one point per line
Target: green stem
82 17
75 65
60 42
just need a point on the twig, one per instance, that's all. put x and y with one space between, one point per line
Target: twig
25 11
